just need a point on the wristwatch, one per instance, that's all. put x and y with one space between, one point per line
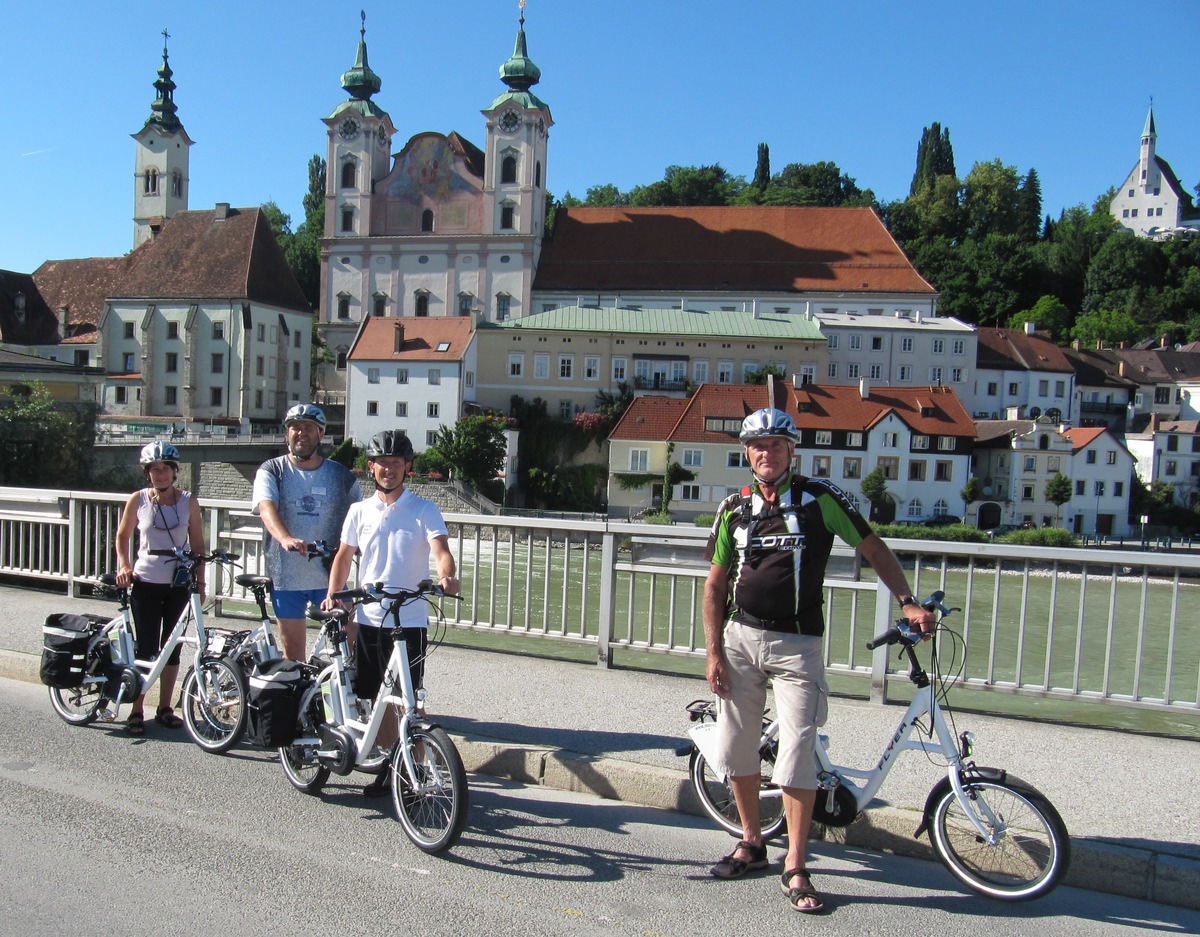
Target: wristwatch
907 600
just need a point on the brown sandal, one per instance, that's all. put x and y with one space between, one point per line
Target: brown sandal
136 724
797 895
166 717
731 866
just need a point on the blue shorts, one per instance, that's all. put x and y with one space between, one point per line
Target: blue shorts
292 604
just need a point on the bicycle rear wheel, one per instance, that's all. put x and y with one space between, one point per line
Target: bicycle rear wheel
1031 851
716 797
433 814
300 764
77 706
214 704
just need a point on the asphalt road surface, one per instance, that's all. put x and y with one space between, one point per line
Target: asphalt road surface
108 835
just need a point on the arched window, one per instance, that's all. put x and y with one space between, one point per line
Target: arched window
1054 415
380 304
941 508
914 508
341 357
348 220
349 174
427 219
508 169
151 181
1044 441
177 183
422 303
507 217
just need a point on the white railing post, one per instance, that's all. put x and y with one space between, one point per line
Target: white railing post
608 596
879 657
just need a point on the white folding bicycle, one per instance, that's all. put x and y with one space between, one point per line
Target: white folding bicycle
337 731
996 833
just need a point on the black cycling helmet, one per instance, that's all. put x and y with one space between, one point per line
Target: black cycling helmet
390 442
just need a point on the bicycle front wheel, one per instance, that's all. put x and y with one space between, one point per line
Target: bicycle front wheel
716 797
434 811
78 706
1029 849
214 704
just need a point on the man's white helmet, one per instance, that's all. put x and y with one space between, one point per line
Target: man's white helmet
768 423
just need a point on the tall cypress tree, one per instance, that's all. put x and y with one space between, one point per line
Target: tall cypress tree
935 157
1029 197
762 171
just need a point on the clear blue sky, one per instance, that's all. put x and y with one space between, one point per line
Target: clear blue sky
1061 86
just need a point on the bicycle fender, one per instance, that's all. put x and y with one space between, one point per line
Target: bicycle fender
998 775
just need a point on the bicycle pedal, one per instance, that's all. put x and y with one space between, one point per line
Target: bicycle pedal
106 715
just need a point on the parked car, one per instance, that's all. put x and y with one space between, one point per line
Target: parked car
941 520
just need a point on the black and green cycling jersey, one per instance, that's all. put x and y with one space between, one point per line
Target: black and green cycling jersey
776 555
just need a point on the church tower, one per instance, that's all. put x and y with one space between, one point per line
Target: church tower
1151 178
358 150
160 176
518 125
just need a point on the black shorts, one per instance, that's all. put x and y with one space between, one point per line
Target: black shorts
371 653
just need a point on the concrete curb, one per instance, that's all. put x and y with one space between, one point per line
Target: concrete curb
1128 871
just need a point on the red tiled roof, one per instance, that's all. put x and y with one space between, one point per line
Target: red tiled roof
785 249
1013 349
1083 436
420 338
81 286
197 255
931 411
201 255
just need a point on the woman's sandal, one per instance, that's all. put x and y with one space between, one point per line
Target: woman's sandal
796 895
166 717
731 866
136 724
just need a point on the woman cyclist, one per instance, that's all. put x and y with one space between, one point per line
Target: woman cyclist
165 517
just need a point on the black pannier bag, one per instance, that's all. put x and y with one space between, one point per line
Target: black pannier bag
65 640
273 702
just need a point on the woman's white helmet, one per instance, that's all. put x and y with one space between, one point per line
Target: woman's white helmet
158 452
769 423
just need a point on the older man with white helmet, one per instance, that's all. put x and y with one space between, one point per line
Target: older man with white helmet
763 620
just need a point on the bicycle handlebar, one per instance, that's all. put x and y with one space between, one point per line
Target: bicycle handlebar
184 556
316 548
375 592
903 632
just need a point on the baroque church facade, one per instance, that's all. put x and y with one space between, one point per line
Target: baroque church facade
443 228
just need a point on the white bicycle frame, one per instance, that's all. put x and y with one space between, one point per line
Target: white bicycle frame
865 784
119 632
364 733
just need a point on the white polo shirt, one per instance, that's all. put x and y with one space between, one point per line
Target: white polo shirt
393 540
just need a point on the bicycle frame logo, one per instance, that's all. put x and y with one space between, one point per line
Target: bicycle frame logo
901 732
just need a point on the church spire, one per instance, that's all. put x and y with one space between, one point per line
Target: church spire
519 72
163 112
359 80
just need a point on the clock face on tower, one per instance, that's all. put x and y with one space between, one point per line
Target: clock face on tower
510 120
381 136
348 128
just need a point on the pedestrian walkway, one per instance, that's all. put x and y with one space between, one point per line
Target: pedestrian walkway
613 733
